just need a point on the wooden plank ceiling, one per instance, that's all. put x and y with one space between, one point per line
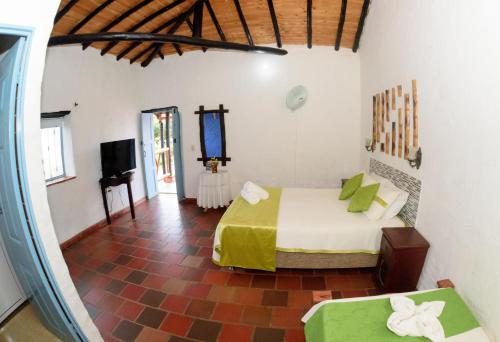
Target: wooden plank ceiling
95 16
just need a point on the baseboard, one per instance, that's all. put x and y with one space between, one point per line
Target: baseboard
96 226
188 200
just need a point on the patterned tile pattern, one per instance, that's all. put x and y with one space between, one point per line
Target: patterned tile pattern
405 182
152 279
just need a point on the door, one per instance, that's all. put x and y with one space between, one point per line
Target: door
148 154
17 225
179 174
11 295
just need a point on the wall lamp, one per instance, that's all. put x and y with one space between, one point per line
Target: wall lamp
415 157
369 145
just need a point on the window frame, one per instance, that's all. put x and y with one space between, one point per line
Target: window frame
57 124
202 112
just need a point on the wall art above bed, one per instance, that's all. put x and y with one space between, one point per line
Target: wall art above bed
394 127
404 182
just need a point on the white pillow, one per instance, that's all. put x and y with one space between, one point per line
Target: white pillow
372 178
385 197
380 179
367 179
397 205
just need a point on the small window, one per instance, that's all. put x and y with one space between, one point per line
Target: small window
57 149
52 153
212 134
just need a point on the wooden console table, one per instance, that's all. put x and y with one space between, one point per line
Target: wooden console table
105 183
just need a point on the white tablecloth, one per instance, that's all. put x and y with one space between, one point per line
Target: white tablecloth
214 189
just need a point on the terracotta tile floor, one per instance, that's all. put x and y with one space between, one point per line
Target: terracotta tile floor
152 279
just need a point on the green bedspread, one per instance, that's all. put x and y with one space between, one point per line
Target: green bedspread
366 320
247 233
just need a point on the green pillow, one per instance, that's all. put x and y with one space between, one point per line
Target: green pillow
351 186
363 198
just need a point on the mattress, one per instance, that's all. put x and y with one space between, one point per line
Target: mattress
316 221
476 334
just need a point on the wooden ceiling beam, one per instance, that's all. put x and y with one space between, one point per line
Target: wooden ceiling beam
361 24
198 19
157 46
64 10
144 22
132 46
215 21
121 18
243 22
309 24
161 39
142 53
340 28
91 15
197 27
275 22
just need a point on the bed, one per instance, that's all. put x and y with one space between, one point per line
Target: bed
364 319
297 228
307 228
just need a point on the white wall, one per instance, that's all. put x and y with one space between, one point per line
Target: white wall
453 49
40 17
314 146
108 94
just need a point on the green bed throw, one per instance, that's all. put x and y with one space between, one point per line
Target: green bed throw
248 233
366 320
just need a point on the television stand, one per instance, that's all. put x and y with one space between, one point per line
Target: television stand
124 178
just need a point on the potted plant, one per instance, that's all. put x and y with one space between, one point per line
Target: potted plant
213 164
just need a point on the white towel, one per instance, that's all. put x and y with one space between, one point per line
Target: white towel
254 188
421 320
250 197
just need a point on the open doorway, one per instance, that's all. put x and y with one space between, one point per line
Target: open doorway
164 156
162 151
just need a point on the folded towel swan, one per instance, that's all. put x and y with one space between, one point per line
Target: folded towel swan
421 320
252 193
250 197
254 188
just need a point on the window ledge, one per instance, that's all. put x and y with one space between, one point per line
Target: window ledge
60 180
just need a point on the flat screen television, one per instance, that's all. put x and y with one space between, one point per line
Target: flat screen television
117 157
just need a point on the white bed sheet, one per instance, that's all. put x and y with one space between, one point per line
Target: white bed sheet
316 220
474 335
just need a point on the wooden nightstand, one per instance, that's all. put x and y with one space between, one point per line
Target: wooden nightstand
402 256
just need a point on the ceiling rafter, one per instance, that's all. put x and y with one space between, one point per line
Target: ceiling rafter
134 45
276 27
91 15
144 22
216 23
361 24
122 17
197 27
182 18
309 24
243 22
64 10
340 28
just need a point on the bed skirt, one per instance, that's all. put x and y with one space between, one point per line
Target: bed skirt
325 260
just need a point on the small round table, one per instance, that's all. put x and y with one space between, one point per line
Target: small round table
214 190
